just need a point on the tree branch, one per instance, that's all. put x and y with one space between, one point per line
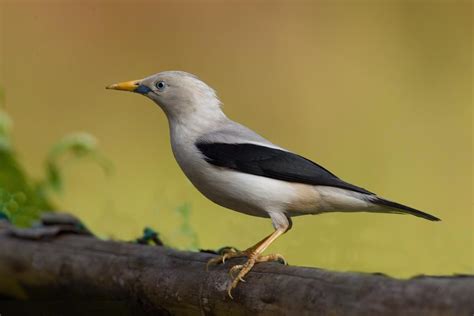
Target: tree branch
72 273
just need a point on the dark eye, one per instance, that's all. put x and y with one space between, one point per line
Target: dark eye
160 85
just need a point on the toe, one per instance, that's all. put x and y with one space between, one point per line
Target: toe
272 257
214 261
234 269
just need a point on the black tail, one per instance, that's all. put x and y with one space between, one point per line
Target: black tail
403 208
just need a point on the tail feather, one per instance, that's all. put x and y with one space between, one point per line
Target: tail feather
402 208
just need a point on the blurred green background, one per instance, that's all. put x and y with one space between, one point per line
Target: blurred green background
380 92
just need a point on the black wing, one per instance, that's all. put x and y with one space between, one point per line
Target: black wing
271 163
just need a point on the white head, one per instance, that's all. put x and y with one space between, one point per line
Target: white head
181 95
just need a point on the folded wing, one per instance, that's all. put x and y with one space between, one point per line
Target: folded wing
271 163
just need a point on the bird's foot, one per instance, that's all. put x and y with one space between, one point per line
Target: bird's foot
245 268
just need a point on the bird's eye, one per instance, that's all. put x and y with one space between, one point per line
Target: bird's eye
160 85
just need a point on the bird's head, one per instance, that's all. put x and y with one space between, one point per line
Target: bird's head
178 93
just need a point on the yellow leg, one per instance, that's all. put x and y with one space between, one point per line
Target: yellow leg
254 255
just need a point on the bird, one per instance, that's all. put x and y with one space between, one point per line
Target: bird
240 170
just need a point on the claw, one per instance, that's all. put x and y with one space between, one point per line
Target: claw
281 259
227 254
272 257
234 268
225 250
229 292
232 286
213 261
207 265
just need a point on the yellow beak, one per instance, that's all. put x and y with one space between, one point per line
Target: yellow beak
126 86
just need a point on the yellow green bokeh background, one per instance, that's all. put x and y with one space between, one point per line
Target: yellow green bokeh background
379 92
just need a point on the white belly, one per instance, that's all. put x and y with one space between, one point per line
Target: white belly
245 192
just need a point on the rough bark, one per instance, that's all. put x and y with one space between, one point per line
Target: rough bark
72 274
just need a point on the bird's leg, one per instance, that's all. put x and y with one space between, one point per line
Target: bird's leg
230 253
254 255
282 224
